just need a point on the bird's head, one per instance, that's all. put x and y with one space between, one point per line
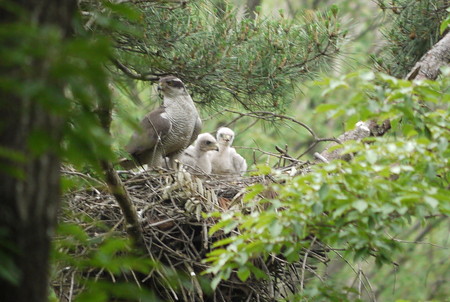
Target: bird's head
207 142
225 136
171 86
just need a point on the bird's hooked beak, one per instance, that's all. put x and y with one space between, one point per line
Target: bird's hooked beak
161 86
227 138
216 147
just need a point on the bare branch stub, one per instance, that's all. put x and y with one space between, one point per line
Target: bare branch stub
133 74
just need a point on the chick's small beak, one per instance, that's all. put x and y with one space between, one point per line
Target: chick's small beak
216 147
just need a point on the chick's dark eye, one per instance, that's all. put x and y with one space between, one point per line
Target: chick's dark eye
208 142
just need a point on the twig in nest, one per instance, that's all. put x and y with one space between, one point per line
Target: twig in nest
286 155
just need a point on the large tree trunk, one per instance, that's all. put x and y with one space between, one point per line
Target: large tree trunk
29 180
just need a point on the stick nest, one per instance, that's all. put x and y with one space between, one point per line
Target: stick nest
170 207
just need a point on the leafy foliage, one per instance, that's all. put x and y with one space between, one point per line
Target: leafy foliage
354 205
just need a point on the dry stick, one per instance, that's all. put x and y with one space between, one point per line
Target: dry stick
132 74
265 114
360 280
404 259
115 184
270 115
87 177
178 279
72 282
286 155
271 288
354 270
195 282
370 285
305 257
417 242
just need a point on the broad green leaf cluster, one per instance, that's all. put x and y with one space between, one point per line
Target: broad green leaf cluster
357 205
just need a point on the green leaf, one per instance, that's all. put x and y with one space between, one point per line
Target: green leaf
371 156
262 170
275 229
444 25
243 273
323 191
215 281
252 192
432 202
360 205
224 223
317 208
325 108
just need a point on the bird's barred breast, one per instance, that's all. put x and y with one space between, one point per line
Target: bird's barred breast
181 117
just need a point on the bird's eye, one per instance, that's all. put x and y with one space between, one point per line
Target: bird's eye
208 142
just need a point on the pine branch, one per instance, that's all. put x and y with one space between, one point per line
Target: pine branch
133 74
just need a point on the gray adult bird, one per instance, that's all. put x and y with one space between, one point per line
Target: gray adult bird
227 161
197 157
167 130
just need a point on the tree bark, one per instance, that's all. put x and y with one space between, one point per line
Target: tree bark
361 131
428 66
29 180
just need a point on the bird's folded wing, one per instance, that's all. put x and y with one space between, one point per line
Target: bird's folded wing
153 127
239 163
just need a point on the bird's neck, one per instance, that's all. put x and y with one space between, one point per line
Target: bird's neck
223 148
198 150
179 102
